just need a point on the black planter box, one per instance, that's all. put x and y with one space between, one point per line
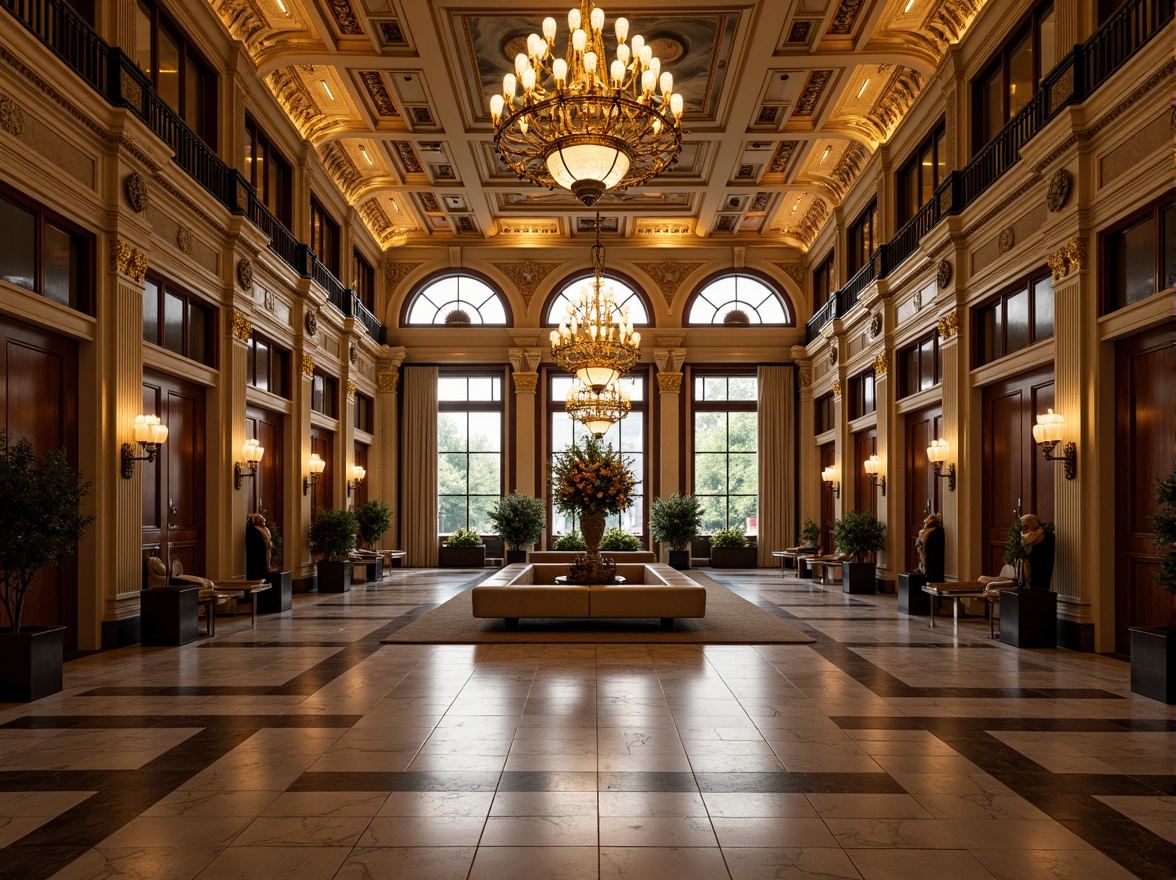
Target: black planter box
167 615
279 597
858 577
515 556
372 570
678 559
462 557
911 598
1153 662
1029 618
334 577
734 557
30 663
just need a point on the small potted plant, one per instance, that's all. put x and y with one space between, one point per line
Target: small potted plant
463 549
519 520
810 534
1153 648
676 521
617 540
332 538
569 542
729 548
40 523
859 535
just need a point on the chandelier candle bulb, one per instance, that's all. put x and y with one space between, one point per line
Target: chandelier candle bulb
597 19
622 29
573 19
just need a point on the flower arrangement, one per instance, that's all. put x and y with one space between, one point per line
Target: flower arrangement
592 478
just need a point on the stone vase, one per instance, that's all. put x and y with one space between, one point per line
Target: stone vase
592 528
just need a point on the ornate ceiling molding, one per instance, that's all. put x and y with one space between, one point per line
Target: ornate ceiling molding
810 94
848 167
342 170
898 96
290 91
668 275
526 276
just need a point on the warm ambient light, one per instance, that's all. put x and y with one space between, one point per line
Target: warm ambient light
908 6
150 433
355 477
363 152
862 90
937 455
282 6
872 466
829 477
1047 433
825 155
316 466
251 453
597 411
327 89
583 123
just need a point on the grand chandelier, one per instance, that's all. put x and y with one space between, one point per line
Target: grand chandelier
597 411
596 341
582 123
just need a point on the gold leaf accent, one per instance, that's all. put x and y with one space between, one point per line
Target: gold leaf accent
668 275
669 383
836 387
351 389
525 382
526 276
949 325
1070 257
128 260
881 365
387 381
307 365
242 326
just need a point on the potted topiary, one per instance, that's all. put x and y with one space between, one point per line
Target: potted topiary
332 538
40 522
1153 648
676 521
617 540
1029 613
374 518
519 520
729 548
463 549
569 541
810 534
858 534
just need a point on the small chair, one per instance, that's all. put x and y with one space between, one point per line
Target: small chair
1006 580
209 598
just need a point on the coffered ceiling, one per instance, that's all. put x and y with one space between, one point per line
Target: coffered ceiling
786 100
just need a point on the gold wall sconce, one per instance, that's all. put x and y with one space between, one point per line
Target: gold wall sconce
1047 433
357 475
937 455
872 465
829 478
316 466
251 452
150 433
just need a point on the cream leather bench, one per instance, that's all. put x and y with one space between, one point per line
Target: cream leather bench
529 590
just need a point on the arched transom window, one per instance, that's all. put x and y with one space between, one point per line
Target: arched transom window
457 299
737 299
623 295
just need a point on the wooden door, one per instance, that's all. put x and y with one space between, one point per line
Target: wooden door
173 485
1145 404
923 489
359 495
828 456
1017 479
322 441
39 403
865 444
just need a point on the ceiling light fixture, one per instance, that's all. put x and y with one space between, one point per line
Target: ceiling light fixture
282 6
584 124
825 155
597 411
863 88
596 341
908 6
327 89
364 152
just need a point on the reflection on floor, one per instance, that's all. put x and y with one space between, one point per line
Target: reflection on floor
305 748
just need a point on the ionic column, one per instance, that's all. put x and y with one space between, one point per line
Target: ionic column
230 531
669 385
525 364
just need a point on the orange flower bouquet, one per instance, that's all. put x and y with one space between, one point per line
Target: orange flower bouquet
592 478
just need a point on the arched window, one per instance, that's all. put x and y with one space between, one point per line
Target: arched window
456 299
623 295
739 298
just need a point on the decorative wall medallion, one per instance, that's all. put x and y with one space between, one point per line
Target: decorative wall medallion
128 260
245 273
353 355
270 301
668 275
387 381
526 276
1070 257
876 325
311 323
350 389
1007 238
184 239
11 117
836 387
949 325
1058 190
525 382
918 299
135 186
881 365
943 274
242 326
307 366
833 356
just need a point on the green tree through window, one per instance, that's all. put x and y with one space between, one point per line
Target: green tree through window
469 451
726 467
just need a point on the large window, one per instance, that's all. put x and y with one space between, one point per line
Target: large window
726 437
823 286
267 366
176 320
1012 77
624 295
324 236
732 298
919 365
45 255
1140 257
921 174
861 395
627 436
181 77
469 450
862 239
324 394
268 172
1021 316
456 299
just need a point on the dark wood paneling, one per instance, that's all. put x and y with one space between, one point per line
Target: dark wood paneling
265 491
865 444
923 489
359 495
39 402
828 456
322 441
1017 478
1145 416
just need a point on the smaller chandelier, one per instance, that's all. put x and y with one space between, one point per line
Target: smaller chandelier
582 123
596 341
597 411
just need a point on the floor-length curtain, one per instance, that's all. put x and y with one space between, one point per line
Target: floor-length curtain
777 482
419 466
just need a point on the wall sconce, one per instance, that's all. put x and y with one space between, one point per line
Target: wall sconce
937 454
316 466
872 465
251 451
829 477
1047 433
357 475
150 433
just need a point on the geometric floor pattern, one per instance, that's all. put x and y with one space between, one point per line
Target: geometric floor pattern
305 748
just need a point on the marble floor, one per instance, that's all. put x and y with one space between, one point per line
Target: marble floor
305 748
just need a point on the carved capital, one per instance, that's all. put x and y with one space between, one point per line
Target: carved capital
804 366
242 327
669 383
525 360
351 389
949 325
669 360
1070 257
836 387
128 260
388 381
881 365
525 381
307 365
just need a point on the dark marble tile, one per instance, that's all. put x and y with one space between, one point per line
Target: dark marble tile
649 781
847 783
1146 855
530 780
747 782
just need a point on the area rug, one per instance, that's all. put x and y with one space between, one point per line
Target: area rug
730 620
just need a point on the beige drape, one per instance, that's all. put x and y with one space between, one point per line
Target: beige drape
418 515
777 457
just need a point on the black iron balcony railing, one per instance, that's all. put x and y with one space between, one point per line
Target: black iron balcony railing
1075 78
111 73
